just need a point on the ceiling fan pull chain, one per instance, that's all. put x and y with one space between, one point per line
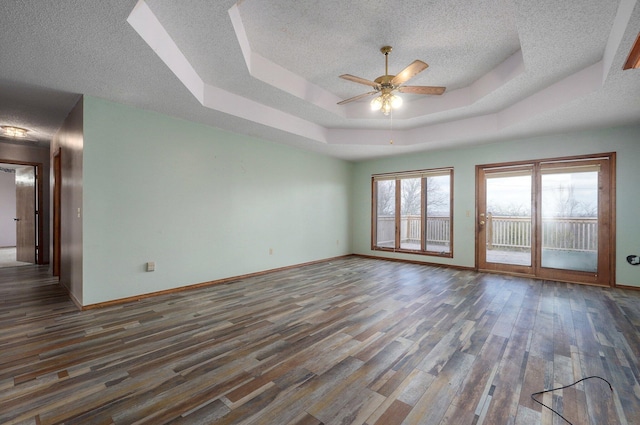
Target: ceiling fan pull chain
391 128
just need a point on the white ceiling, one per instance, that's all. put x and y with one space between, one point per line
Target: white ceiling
267 68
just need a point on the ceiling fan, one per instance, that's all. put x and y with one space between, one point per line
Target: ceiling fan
387 84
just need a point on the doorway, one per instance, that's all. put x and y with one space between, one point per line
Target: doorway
20 220
552 219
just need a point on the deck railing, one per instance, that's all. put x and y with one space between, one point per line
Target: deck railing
411 228
503 232
508 232
566 233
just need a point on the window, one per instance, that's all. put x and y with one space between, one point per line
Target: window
412 212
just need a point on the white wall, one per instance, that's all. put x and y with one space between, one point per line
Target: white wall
202 203
623 140
7 209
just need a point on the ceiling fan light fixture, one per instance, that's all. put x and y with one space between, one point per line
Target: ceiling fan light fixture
15 132
376 103
396 101
386 102
386 108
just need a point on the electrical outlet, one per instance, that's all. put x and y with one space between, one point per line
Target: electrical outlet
634 260
151 266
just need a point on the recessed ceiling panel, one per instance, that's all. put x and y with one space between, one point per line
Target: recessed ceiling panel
460 40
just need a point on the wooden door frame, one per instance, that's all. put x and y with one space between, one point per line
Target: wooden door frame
606 231
56 211
39 197
481 188
605 277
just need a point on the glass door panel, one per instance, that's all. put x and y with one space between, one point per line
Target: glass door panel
569 203
508 218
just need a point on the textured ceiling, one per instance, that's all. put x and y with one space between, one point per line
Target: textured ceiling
461 50
266 68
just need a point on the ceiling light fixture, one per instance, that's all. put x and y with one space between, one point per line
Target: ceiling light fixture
386 102
15 132
633 61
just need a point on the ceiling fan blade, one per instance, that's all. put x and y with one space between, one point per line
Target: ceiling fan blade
421 89
360 80
409 72
360 96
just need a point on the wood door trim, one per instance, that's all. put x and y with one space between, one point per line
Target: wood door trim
57 222
481 260
606 233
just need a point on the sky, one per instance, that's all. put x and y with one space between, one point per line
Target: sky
513 193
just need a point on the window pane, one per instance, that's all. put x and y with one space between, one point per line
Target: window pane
385 213
410 229
438 214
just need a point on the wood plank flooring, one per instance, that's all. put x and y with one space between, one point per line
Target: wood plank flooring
350 341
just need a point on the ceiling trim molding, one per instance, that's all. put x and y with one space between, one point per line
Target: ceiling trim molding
281 78
229 103
571 88
147 25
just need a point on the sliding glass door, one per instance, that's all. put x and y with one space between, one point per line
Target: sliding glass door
550 219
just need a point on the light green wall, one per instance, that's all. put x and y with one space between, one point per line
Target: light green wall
202 203
205 204
623 140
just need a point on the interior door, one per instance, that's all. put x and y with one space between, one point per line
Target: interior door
26 214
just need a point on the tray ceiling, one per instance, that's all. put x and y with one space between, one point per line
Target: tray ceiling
265 68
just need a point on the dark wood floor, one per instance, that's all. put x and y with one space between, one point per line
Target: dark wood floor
349 341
